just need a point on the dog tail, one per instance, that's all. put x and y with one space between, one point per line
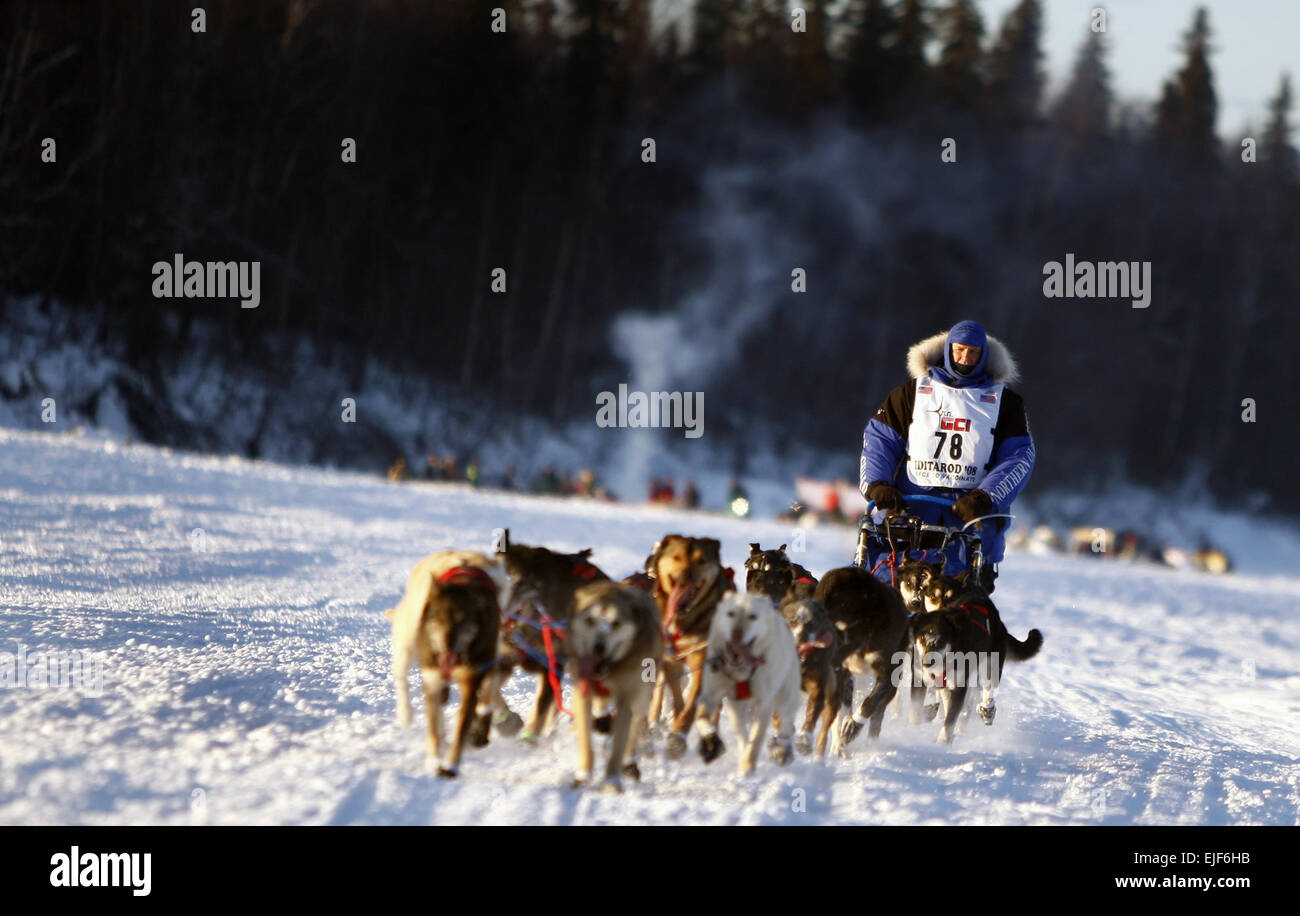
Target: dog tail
1018 651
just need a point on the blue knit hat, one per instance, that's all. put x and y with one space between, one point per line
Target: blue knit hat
970 333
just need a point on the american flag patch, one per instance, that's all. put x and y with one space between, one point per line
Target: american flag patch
924 389
988 398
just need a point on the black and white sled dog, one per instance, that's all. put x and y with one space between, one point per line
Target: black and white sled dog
962 643
752 663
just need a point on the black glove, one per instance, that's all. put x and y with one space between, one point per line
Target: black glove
885 496
974 504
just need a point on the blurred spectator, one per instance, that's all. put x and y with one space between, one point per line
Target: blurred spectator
549 482
586 482
508 477
399 471
433 467
471 472
691 496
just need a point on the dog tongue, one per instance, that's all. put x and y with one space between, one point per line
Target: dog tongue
680 597
588 666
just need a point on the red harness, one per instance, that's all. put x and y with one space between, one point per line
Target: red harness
584 570
468 577
969 608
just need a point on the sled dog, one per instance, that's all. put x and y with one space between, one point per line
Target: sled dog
871 624
447 623
913 577
816 642
689 580
771 573
534 627
615 648
752 664
963 644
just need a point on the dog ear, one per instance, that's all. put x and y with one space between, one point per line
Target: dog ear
714 546
754 548
653 559
781 548
584 553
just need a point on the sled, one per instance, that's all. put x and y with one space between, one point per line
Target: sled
904 536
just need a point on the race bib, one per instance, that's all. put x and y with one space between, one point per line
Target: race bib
950 441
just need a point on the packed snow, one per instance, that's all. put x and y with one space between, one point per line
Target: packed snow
225 617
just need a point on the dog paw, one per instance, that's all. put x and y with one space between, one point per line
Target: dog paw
987 713
780 752
448 772
612 786
711 748
632 771
479 731
675 747
945 737
849 729
507 723
803 743
603 724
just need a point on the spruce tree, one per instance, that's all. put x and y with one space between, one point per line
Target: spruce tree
1016 66
1188 106
1082 111
958 76
1276 150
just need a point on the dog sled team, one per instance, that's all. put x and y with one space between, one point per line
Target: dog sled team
681 630
683 633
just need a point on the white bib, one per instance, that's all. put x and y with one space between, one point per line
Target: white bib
950 441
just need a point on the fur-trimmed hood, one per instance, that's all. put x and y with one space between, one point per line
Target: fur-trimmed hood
928 353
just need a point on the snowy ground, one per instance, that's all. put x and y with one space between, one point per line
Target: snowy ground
247 682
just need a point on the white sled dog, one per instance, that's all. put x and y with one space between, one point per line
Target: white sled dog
447 624
752 663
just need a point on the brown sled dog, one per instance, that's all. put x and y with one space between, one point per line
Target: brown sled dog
614 630
817 644
689 581
962 645
871 624
534 627
447 622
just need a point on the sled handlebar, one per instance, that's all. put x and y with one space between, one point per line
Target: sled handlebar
921 497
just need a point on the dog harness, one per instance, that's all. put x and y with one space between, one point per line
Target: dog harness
970 610
584 570
468 577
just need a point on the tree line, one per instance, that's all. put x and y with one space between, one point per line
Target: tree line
523 149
